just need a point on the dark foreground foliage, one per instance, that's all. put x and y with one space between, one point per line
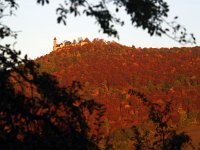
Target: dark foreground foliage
149 15
161 136
37 114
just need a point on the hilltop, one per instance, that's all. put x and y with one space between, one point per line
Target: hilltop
108 70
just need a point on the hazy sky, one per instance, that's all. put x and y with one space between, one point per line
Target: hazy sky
37 26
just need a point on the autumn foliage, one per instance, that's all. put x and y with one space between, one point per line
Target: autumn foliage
108 70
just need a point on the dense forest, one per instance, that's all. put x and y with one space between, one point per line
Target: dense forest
101 95
108 71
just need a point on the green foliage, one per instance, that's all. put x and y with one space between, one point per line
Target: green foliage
151 86
187 119
107 125
74 59
165 86
121 139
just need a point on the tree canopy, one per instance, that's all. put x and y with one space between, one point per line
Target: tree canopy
150 15
35 113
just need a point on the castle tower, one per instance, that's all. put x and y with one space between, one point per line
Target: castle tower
54 43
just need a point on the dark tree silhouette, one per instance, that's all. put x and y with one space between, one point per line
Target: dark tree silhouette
35 113
162 135
150 15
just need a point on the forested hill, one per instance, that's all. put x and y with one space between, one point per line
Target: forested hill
108 70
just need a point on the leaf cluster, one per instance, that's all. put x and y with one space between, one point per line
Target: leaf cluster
150 15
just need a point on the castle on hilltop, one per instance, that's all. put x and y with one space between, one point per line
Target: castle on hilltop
67 43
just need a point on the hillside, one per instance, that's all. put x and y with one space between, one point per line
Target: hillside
108 70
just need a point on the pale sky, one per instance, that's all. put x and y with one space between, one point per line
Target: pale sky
37 25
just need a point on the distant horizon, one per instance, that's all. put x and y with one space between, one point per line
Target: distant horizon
91 40
38 26
77 40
